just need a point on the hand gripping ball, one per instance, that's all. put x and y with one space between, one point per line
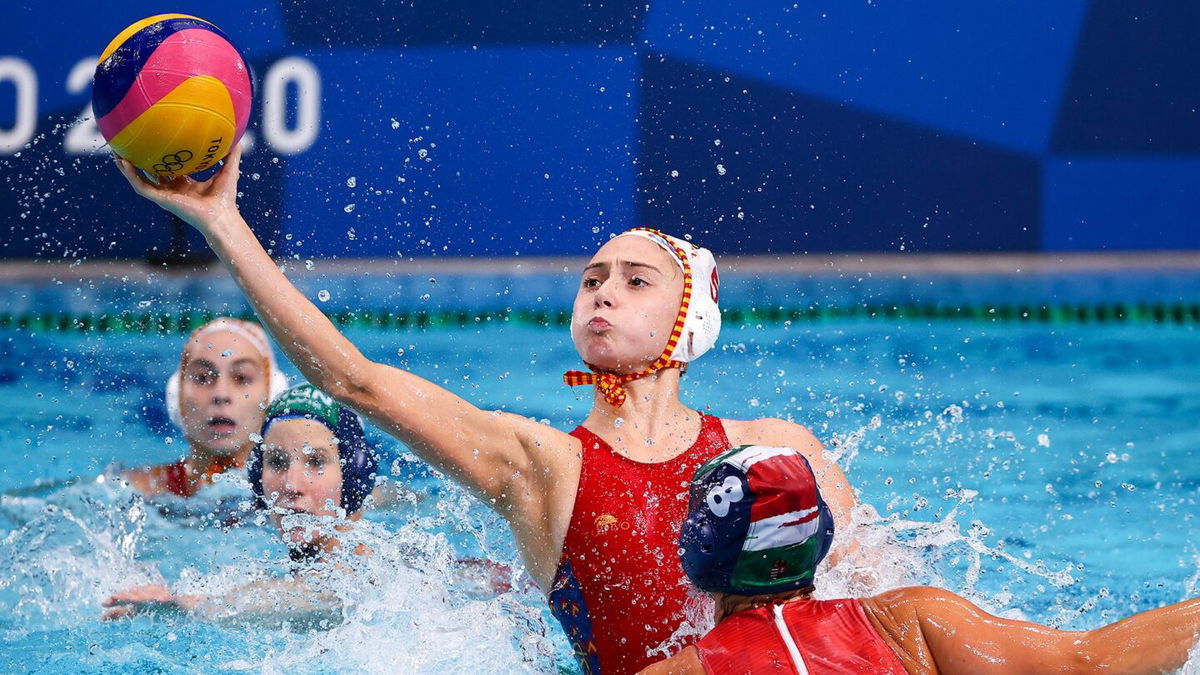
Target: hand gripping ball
172 94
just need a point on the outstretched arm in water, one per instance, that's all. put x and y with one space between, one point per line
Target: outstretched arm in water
933 630
514 464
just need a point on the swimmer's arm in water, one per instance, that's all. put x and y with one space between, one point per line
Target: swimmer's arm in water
834 486
511 462
148 599
933 630
268 601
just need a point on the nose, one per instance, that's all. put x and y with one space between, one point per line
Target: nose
604 296
222 390
295 477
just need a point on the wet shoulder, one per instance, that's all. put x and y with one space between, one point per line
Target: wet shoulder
773 431
149 480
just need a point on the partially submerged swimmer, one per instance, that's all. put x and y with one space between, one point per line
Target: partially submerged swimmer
312 472
757 526
313 460
226 377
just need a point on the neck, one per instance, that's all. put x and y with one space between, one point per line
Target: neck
651 405
201 460
728 605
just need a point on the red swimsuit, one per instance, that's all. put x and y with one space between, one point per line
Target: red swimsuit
620 590
174 477
830 637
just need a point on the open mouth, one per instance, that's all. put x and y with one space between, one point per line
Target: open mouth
222 425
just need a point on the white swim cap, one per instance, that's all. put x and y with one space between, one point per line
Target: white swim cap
696 326
253 333
702 317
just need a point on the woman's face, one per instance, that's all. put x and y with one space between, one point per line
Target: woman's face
301 472
627 304
223 392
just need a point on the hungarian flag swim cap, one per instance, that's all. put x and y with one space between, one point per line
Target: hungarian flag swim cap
358 461
756 523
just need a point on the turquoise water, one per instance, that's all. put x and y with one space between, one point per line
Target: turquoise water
1044 470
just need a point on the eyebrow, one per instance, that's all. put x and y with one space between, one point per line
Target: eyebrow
626 263
205 363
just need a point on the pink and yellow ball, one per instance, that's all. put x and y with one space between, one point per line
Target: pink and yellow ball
172 94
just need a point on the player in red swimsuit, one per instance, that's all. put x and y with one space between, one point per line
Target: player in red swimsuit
755 531
595 512
226 377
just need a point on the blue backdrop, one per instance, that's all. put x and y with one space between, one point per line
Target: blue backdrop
534 127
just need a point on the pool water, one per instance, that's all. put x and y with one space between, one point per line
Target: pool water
1044 470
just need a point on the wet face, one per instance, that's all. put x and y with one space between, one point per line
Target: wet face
223 392
301 473
627 304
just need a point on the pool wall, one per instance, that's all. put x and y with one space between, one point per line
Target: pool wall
537 128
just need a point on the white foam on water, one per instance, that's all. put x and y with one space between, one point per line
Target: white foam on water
409 606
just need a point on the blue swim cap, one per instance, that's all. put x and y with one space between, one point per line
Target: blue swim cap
359 462
756 523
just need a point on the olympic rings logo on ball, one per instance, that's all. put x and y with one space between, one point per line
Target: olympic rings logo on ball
173 162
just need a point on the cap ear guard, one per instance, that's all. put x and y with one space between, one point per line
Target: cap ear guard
359 461
702 325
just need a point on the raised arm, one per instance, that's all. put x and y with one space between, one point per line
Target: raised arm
932 629
505 459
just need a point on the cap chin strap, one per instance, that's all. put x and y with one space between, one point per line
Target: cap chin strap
612 384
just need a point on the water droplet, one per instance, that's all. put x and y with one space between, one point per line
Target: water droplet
395 123
674 173
400 351
227 353
323 295
349 208
720 169
352 181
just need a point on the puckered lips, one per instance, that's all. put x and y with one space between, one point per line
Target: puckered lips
598 325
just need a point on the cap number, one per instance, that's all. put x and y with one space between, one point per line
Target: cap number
720 497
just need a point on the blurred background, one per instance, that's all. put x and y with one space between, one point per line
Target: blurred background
463 128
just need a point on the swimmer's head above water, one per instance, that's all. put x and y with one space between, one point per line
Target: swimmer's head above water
756 523
227 374
313 459
647 301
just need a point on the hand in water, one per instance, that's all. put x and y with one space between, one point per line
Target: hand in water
199 203
147 599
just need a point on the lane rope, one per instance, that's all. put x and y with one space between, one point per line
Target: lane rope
1065 313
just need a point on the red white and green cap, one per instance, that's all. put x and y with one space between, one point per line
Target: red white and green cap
756 522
